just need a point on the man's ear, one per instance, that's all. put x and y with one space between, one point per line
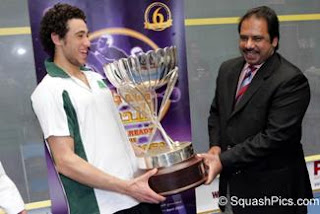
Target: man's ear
55 38
275 42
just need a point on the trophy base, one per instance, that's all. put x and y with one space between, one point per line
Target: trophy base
179 177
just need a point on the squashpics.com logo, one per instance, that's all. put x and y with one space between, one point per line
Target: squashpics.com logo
267 201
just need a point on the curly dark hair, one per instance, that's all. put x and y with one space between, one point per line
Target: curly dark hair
271 18
55 21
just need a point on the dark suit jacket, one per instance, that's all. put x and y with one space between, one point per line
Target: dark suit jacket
260 136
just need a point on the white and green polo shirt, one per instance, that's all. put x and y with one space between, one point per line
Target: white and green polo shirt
65 106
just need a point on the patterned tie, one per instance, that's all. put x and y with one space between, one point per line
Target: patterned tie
245 82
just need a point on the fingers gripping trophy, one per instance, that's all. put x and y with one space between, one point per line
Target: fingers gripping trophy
136 79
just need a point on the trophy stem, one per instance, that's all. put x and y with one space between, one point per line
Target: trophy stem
156 119
167 139
158 126
171 83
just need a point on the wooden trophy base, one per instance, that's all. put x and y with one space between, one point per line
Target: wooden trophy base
179 177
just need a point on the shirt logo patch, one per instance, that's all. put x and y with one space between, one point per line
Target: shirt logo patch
101 84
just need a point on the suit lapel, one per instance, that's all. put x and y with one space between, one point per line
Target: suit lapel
265 71
232 81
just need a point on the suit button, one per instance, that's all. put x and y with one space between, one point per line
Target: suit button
238 172
229 147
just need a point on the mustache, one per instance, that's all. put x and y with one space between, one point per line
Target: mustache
248 50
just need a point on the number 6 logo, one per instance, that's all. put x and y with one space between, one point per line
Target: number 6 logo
157 17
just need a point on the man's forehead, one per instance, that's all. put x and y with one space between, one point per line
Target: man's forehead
254 23
77 26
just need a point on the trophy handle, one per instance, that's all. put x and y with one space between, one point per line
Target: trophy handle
171 83
173 77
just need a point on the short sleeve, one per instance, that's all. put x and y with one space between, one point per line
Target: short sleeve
49 109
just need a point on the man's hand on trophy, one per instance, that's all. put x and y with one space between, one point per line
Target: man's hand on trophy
140 189
212 161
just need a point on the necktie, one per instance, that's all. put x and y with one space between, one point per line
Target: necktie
245 82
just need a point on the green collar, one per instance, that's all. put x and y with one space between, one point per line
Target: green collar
55 71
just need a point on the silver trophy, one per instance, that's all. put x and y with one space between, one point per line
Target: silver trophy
136 79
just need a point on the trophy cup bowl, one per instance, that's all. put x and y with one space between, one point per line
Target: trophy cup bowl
179 168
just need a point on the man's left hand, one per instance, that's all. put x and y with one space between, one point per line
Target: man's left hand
214 165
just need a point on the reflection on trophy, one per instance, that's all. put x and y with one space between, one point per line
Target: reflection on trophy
137 79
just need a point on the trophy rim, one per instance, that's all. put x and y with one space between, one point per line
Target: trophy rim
166 159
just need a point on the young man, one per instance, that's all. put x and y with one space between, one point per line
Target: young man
82 125
255 124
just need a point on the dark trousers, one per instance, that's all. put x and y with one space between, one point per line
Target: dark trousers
142 208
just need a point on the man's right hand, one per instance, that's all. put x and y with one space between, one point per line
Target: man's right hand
139 189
